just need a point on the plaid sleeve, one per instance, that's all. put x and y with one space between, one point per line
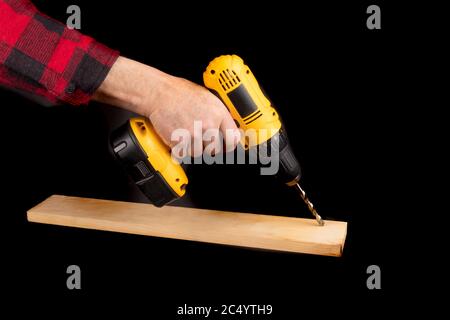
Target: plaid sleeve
42 57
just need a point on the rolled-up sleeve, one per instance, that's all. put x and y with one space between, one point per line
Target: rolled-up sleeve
42 57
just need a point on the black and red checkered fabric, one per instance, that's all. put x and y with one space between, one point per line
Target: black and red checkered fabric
42 57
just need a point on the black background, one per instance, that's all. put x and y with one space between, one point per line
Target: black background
340 89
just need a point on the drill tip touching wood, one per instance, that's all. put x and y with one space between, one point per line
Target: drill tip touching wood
310 205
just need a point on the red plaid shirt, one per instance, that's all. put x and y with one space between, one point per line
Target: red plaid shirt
42 57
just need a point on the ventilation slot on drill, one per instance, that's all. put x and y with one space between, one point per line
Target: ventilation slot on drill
253 117
228 79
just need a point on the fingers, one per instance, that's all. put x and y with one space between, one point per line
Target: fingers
197 141
230 132
214 134
212 142
190 111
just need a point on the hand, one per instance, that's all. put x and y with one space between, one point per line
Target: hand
169 102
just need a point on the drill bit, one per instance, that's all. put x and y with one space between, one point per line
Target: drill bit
310 205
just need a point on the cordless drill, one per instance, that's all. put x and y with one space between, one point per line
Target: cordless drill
148 160
233 83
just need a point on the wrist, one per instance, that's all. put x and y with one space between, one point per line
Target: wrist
131 85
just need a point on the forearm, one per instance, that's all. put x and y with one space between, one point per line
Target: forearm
132 85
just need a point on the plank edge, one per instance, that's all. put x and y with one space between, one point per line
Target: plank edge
35 215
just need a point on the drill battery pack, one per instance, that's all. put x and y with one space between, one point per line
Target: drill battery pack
135 159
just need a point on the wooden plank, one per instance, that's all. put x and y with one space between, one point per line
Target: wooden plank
230 228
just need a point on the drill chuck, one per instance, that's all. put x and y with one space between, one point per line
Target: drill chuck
289 170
